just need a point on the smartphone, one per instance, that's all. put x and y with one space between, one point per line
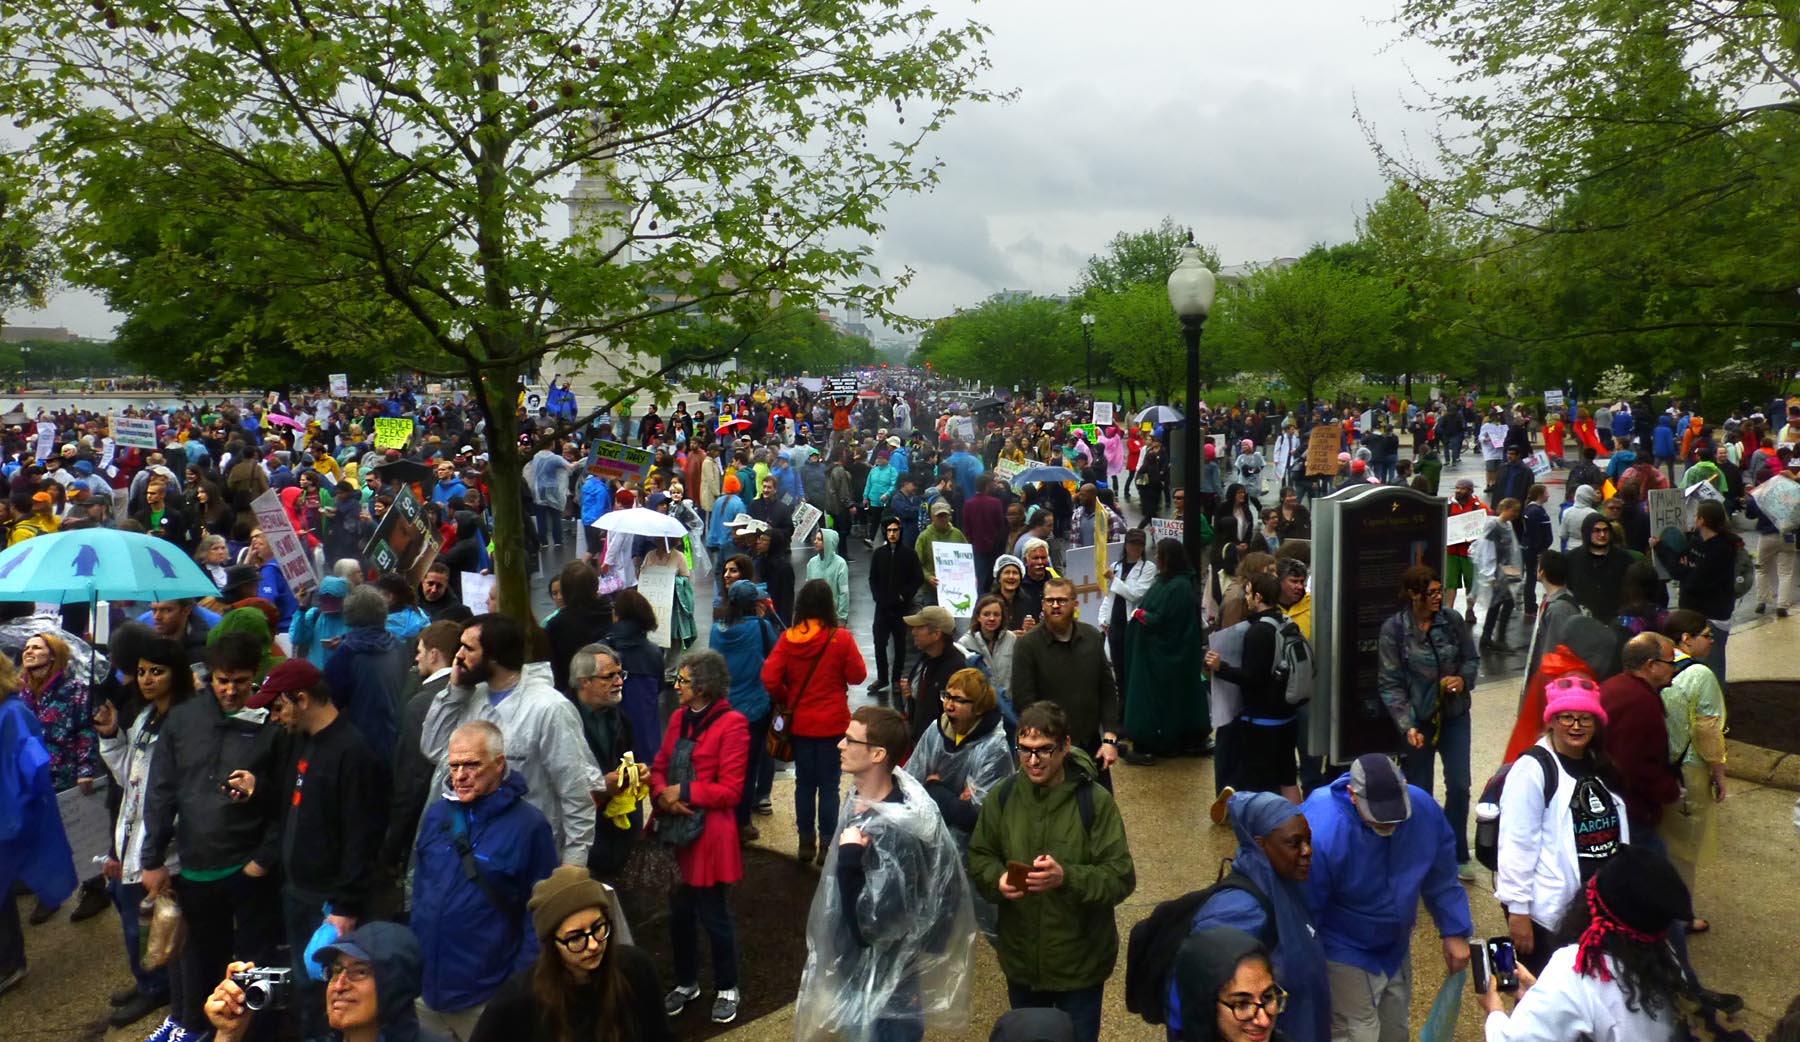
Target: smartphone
1502 963
1016 871
1478 968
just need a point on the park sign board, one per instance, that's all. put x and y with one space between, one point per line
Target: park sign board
611 460
1364 537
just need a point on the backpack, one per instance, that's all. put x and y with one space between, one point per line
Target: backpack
1743 571
1293 671
1084 798
1487 826
1153 943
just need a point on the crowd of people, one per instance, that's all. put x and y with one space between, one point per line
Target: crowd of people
338 786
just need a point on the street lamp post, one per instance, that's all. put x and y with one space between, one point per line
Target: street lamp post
1087 339
1191 289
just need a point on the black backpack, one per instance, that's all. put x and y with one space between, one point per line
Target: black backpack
1487 832
1153 943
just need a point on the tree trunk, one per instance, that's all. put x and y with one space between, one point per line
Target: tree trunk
505 481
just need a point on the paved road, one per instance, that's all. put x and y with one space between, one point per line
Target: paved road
1749 894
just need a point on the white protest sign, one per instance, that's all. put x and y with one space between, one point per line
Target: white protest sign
1779 500
1161 528
1698 493
1103 413
1225 698
106 457
1465 527
958 589
806 521
1079 568
657 584
86 823
134 432
290 551
1666 511
46 439
340 385
1540 464
1553 399
476 589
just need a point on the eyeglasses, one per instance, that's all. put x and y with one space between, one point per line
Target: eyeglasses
1435 591
354 972
1243 1007
957 700
1035 753
617 676
1054 601
681 681
1575 719
578 940
858 741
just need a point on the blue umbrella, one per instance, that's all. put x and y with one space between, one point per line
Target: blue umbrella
1034 475
92 564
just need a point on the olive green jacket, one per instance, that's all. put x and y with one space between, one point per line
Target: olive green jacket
1062 939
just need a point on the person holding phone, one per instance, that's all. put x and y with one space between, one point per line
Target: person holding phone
1428 668
1058 939
1620 980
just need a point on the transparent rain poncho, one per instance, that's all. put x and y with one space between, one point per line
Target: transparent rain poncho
976 766
905 951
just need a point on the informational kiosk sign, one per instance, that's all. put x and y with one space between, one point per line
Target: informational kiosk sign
1363 539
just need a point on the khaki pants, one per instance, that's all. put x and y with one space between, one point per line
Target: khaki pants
458 1025
1775 555
1369 1007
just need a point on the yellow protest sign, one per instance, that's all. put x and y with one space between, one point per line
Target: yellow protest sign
393 432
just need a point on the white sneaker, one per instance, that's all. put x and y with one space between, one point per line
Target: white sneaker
1465 871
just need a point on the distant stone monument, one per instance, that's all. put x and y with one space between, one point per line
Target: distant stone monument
1364 537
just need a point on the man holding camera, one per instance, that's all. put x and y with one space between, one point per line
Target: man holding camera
224 839
373 980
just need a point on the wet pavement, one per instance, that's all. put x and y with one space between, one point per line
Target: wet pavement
1749 894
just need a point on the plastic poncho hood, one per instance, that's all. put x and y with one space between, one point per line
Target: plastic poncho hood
915 913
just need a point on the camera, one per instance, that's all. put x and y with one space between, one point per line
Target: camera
265 987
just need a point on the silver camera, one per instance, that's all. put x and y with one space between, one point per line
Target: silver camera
265 987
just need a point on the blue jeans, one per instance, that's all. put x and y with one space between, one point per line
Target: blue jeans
126 897
816 781
1453 745
759 756
692 908
549 523
1082 1005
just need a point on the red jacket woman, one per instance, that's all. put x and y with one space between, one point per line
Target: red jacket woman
809 675
721 740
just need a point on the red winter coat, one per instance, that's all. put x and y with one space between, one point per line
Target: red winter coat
720 753
822 710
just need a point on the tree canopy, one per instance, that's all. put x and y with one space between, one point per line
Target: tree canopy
1029 341
1308 322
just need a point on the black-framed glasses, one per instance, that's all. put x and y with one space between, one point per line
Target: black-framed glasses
617 676
1576 719
858 741
354 972
681 681
1667 661
956 700
1244 1007
1053 601
578 940
1037 752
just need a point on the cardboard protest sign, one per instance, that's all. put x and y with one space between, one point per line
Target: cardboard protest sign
290 550
46 439
806 519
1540 464
958 589
609 459
1322 450
657 584
1466 527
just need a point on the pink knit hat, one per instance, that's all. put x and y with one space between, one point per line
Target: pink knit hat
1572 694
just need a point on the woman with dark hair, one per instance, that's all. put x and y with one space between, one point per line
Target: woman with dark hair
586 985
164 680
735 567
1560 819
1428 668
642 661
775 570
1234 530
1705 569
1644 604
1259 742
1615 978
1165 709
585 618
211 513
1131 576
1227 971
808 676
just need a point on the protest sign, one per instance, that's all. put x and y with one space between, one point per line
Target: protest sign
1696 494
46 439
1103 413
134 432
657 584
1161 528
290 551
403 541
1080 568
1466 527
476 588
106 456
1006 469
87 824
1224 698
957 587
1540 464
842 386
1322 450
1664 506
393 432
340 385
806 520
1087 431
1553 399
609 459
1779 500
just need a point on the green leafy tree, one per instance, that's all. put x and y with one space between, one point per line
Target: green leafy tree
1024 340
1139 258
1130 346
27 257
404 159
1138 332
1309 322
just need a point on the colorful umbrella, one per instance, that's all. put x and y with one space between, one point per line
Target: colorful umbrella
277 419
99 563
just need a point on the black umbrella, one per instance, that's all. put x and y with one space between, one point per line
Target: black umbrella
406 472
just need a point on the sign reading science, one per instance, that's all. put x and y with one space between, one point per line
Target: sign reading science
609 459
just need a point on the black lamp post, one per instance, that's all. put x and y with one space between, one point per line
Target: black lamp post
1087 339
1191 289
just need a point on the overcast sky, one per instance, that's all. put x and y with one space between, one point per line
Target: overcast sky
1233 118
